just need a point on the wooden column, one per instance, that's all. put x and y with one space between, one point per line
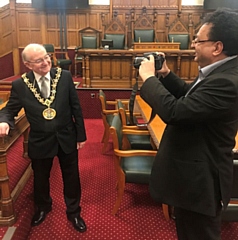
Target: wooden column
15 50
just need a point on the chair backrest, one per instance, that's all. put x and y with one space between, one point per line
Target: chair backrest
89 38
89 42
116 132
177 31
182 38
115 30
102 98
49 48
144 35
118 40
143 28
122 111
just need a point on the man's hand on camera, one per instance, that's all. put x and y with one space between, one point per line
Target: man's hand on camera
147 68
164 71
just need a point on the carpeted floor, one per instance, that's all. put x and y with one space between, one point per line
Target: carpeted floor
139 217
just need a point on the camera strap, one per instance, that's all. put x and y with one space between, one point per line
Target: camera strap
131 107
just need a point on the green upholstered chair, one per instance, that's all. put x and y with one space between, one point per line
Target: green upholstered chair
88 39
107 116
144 35
132 166
118 40
89 42
182 38
59 58
134 141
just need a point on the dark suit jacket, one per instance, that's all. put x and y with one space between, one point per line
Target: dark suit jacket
66 129
193 167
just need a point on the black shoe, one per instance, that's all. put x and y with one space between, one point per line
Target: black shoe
39 217
78 224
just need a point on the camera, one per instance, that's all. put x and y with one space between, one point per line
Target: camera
159 59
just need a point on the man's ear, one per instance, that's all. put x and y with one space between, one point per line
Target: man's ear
218 48
28 65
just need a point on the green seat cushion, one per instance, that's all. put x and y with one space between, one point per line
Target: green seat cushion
140 142
145 35
138 168
118 40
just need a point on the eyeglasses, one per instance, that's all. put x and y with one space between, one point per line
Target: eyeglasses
195 41
41 60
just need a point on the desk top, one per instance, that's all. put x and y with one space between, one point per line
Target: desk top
133 52
157 126
157 46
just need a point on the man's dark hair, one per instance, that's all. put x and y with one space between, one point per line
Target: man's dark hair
224 28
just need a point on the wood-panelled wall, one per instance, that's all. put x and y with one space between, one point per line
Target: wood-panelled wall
20 24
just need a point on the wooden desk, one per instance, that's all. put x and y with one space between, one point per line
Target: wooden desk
114 68
157 126
7 216
157 46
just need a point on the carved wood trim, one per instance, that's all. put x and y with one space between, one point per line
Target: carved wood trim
143 21
115 26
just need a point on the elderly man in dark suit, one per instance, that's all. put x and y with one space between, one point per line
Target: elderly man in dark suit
52 107
194 165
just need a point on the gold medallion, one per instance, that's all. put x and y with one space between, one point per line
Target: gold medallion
49 113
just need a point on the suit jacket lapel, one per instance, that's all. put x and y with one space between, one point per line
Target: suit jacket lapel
32 80
191 86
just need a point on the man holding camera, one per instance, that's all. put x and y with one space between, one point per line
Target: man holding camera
194 165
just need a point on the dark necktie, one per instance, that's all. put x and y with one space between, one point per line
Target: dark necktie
44 88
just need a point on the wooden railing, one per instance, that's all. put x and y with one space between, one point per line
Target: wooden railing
8 197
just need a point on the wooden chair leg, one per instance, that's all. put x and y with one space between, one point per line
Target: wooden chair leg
166 212
120 192
105 141
104 136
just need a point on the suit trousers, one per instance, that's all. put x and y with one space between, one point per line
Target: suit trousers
71 182
195 226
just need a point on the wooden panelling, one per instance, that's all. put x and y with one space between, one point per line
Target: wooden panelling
20 24
114 68
5 32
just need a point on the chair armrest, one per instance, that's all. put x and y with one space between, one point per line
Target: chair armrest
131 153
134 131
111 102
107 112
141 127
77 48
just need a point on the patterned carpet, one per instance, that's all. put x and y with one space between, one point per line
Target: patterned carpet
139 218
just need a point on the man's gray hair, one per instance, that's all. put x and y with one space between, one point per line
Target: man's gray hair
32 47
